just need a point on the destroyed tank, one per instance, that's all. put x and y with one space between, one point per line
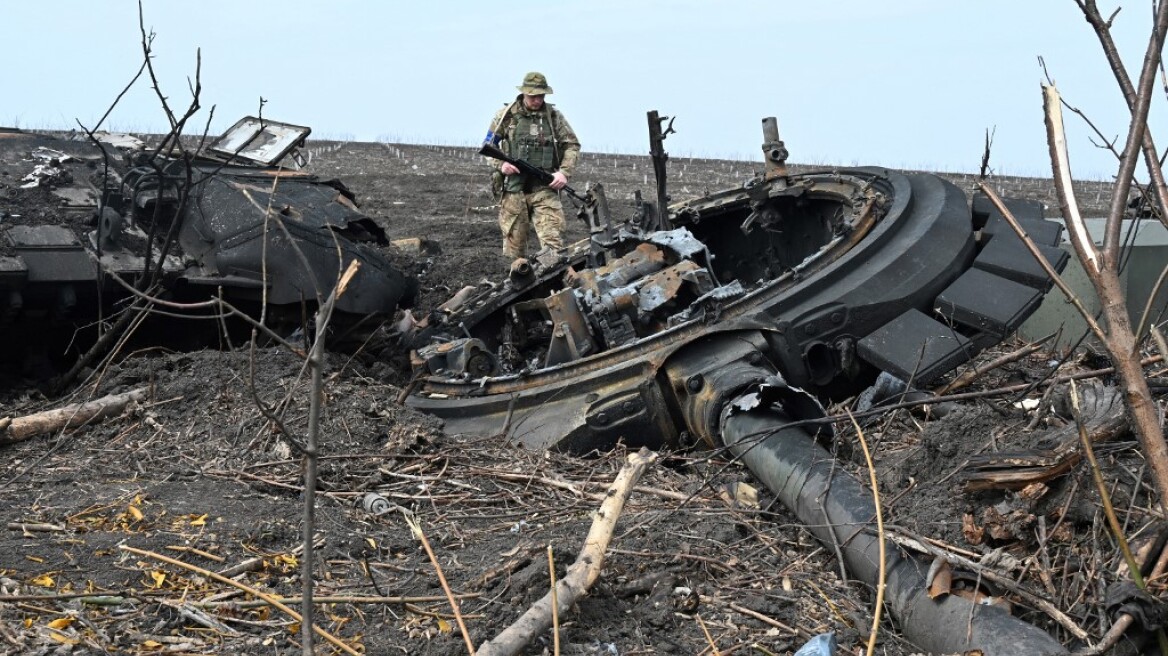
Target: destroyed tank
729 320
827 278
83 219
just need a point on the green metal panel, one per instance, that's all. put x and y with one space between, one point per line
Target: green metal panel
1145 262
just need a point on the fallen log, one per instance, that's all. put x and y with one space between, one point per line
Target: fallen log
21 428
582 574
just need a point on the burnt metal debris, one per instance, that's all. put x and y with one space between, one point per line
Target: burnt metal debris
729 319
94 213
826 278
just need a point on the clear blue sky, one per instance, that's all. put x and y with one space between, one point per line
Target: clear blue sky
901 83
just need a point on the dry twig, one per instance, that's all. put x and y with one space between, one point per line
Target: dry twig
583 573
555 603
880 532
417 531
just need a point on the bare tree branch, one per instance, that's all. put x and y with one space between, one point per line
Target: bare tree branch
1134 97
1103 269
316 363
1064 187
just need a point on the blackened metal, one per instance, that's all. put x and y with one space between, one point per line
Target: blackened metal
760 427
830 277
202 225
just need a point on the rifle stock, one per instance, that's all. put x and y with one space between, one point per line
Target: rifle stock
526 168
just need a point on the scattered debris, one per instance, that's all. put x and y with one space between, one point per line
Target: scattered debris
1055 451
101 221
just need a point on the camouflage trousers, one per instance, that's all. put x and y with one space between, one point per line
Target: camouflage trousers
518 212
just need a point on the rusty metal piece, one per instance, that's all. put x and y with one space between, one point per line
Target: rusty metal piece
454 302
520 270
559 319
664 286
465 357
643 259
571 336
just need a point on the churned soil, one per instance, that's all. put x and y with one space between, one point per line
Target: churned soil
206 471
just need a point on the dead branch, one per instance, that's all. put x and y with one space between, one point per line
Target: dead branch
189 611
583 573
575 487
227 310
709 638
555 600
416 529
99 347
316 363
1102 269
765 619
1161 343
35 527
879 605
70 416
149 275
1134 97
985 156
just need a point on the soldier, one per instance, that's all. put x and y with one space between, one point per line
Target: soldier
534 131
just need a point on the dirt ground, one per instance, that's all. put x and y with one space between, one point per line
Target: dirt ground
198 473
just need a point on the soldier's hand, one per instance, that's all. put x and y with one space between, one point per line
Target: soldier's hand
509 169
559 181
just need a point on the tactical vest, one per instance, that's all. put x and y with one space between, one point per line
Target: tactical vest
533 140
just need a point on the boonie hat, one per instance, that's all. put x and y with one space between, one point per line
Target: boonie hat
534 84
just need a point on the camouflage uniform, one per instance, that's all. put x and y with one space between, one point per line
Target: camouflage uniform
544 138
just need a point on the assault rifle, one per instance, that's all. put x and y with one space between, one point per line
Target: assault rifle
526 168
